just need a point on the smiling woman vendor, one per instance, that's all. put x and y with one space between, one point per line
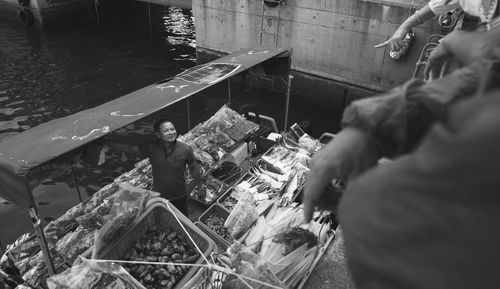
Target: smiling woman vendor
168 158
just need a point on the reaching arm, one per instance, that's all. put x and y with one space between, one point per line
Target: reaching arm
351 152
194 168
387 125
419 17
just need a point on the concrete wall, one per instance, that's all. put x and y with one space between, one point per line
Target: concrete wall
331 39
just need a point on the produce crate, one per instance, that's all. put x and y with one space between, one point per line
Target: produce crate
159 215
217 210
227 172
220 246
225 200
218 187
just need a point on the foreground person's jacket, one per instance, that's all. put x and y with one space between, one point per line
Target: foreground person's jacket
431 218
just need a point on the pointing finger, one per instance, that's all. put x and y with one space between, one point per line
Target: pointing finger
383 44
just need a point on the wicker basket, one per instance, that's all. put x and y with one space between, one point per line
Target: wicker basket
159 215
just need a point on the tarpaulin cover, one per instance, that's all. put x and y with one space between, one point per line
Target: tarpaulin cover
41 144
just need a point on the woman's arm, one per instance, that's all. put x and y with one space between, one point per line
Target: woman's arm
419 17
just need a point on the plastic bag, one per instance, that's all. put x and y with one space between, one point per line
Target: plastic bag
75 243
96 218
67 221
310 144
249 265
91 274
35 276
100 196
242 216
128 204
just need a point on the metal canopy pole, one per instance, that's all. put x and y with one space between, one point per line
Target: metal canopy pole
229 92
188 113
150 26
39 232
289 85
76 184
42 241
96 2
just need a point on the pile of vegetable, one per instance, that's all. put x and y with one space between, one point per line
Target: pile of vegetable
160 245
215 222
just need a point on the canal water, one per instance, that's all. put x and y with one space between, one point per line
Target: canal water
49 74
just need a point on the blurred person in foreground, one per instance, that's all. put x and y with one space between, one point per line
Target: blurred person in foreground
430 218
168 158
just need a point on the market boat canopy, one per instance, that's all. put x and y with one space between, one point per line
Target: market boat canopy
23 156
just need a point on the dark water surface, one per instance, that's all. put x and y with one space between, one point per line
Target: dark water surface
49 74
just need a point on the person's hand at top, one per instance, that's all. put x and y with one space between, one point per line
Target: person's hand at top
201 192
419 17
351 152
396 39
466 47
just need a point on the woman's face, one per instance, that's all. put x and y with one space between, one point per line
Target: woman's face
167 132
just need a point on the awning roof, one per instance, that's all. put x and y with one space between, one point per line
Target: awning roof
41 144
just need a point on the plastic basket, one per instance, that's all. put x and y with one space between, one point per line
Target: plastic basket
215 209
159 215
226 197
220 245
227 177
222 189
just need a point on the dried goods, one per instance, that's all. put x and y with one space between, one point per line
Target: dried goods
160 245
223 118
216 223
96 218
241 129
222 140
100 196
284 155
213 189
295 237
228 201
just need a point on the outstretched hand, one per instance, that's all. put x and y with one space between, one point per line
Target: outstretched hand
350 152
396 39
